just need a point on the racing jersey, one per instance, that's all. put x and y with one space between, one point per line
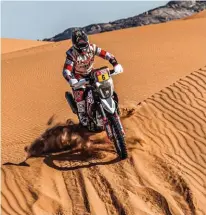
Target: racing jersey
77 64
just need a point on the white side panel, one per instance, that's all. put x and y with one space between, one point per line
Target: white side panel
108 105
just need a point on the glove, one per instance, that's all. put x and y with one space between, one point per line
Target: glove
79 84
118 69
73 81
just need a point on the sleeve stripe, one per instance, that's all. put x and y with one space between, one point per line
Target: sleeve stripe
68 67
68 61
67 74
94 48
98 50
102 54
108 56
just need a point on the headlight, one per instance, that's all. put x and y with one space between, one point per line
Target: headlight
106 88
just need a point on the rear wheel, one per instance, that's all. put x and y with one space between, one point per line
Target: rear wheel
118 138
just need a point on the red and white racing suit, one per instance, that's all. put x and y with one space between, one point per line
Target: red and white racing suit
77 66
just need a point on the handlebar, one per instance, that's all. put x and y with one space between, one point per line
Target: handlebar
81 83
86 80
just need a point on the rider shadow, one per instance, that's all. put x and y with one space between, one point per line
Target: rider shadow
77 159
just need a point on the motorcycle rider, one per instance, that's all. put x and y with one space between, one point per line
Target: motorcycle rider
79 64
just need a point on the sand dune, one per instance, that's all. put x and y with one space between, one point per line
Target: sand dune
165 171
12 45
201 14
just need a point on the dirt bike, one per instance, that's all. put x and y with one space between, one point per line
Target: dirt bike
102 107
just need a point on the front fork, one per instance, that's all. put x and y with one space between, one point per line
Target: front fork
107 124
120 124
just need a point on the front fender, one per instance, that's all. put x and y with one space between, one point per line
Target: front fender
108 105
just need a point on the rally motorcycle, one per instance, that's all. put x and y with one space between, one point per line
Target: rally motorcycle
101 104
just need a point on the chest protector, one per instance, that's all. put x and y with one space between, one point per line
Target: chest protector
83 63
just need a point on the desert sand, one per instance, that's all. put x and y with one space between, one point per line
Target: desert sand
164 81
12 45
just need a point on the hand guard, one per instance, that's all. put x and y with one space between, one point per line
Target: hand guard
80 84
117 69
73 82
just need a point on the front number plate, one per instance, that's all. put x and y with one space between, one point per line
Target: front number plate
103 77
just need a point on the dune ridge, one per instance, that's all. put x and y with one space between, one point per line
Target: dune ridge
13 45
199 15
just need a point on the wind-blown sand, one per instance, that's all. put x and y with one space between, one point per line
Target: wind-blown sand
165 70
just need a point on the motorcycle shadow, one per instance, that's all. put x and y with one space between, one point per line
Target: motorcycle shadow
72 159
78 159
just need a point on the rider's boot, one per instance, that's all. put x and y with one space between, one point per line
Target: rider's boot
83 119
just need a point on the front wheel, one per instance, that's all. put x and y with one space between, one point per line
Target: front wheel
118 137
